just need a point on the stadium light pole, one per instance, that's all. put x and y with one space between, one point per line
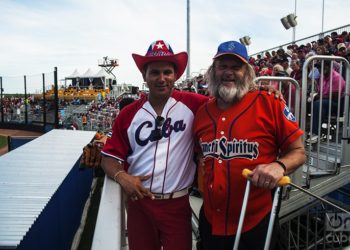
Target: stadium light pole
295 14
188 41
322 16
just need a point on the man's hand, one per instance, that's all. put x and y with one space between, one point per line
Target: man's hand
133 187
266 175
271 90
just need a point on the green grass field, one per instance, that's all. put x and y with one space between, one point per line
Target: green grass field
3 141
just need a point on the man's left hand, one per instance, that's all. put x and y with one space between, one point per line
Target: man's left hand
271 90
266 175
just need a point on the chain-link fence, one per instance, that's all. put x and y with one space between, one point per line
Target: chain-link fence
23 101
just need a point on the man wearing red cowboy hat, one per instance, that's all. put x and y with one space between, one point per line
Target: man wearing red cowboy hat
150 154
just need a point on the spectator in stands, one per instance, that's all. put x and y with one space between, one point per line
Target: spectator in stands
285 65
301 57
334 35
296 73
314 73
287 89
341 50
280 54
308 48
345 36
294 56
189 86
332 85
268 56
320 42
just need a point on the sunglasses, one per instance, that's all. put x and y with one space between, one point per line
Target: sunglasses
159 121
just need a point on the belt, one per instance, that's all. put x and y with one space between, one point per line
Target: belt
173 195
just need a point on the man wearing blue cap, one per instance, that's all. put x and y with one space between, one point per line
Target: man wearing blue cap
238 129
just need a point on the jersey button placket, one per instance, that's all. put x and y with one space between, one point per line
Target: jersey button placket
222 132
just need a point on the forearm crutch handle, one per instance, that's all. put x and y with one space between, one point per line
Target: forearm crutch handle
285 180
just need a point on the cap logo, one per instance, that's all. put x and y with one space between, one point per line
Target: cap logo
159 48
231 46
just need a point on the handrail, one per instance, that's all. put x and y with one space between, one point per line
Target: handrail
110 225
345 159
297 175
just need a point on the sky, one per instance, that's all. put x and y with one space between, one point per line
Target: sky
38 35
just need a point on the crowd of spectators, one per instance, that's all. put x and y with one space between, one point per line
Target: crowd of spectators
287 62
293 58
14 107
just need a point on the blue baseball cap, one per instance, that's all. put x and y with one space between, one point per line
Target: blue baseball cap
232 48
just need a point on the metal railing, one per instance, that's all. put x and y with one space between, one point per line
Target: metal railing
110 232
320 227
290 88
326 127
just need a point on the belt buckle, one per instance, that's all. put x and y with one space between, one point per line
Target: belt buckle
158 196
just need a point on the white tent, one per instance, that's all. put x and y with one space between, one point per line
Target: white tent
101 79
88 74
75 74
103 73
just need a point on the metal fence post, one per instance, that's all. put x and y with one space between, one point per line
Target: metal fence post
56 97
44 102
25 101
1 100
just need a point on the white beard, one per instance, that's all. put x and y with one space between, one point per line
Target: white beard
227 94
233 93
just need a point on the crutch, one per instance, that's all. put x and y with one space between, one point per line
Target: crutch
285 180
282 182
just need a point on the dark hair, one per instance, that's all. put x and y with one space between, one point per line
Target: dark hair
125 101
320 41
334 33
281 73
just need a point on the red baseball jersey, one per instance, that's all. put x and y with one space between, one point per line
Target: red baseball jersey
170 159
249 133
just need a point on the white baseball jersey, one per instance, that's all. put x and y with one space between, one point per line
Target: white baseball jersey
170 159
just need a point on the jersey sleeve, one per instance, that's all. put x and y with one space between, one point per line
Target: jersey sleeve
192 100
287 128
118 145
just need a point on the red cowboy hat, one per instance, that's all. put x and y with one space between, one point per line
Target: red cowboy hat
161 51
